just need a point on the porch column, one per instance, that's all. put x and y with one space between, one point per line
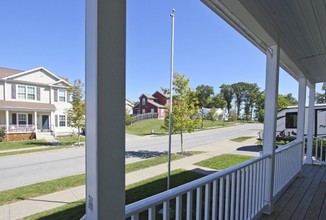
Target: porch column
7 121
35 122
105 125
271 95
301 116
311 123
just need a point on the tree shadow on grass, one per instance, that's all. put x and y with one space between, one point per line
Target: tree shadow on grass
144 154
251 148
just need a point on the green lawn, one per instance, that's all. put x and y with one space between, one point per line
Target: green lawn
69 140
134 192
23 144
32 150
146 127
241 139
223 161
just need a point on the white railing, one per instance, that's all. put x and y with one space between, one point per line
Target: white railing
319 150
20 128
288 162
145 116
234 193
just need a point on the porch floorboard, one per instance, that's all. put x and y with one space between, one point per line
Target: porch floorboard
305 197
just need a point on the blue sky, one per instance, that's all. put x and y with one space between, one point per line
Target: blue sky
207 50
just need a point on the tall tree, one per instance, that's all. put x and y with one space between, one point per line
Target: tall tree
76 114
184 108
239 89
205 95
320 98
251 95
218 102
286 100
227 93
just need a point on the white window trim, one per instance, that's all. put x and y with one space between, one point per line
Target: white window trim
65 120
26 92
64 95
143 101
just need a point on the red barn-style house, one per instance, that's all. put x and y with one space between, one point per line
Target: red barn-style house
152 104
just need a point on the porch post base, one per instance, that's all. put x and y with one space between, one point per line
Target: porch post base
269 207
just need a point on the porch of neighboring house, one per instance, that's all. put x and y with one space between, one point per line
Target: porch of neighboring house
26 124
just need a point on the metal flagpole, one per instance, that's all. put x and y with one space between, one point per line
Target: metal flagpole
170 111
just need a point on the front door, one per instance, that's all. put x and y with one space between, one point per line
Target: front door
45 122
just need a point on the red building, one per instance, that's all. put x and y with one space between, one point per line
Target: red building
152 104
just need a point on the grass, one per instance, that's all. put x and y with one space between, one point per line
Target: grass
134 192
32 150
25 192
38 189
241 139
146 127
23 144
69 140
223 161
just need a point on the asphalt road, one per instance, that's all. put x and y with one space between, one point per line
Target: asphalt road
25 169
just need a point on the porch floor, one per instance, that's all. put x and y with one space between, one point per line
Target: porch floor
305 197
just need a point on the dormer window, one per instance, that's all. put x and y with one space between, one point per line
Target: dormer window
26 92
143 102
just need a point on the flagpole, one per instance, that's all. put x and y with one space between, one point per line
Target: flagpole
170 110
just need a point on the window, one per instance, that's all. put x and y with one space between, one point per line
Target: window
143 111
291 120
152 110
62 121
143 102
22 119
26 92
62 95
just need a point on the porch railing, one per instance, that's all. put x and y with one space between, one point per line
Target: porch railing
288 162
234 193
19 128
319 150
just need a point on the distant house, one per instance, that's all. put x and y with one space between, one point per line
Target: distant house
219 113
33 103
129 106
152 104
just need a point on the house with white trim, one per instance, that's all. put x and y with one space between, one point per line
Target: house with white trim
33 103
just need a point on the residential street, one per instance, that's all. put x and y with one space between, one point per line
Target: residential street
25 169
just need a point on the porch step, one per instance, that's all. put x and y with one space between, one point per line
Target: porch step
45 136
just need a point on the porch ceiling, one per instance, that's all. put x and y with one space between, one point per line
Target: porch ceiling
298 26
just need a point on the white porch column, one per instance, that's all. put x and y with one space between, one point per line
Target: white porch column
105 109
271 95
311 123
301 115
7 121
35 122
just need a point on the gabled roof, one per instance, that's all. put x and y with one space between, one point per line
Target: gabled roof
155 104
6 72
147 96
163 94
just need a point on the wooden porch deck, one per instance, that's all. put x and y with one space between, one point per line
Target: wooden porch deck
305 198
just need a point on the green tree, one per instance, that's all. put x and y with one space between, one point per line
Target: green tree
76 114
239 91
286 100
250 99
227 93
320 98
218 102
211 115
184 108
205 95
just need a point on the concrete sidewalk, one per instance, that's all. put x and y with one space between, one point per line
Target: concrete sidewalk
21 209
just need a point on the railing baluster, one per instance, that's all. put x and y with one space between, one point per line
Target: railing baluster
134 217
151 213
198 203
214 203
246 193
189 205
250 191
232 195
237 200
221 199
166 210
207 201
178 208
242 193
227 197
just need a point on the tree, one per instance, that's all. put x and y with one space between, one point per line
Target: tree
286 100
227 93
184 108
76 114
218 102
320 98
251 95
239 94
205 95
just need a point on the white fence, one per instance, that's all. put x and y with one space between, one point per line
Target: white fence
234 193
145 116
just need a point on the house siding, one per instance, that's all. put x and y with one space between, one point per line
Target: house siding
2 91
38 77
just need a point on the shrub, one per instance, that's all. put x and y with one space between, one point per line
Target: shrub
2 134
